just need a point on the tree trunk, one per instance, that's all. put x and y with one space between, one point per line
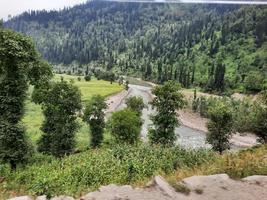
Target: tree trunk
13 165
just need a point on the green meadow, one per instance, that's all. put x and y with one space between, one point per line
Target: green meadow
33 117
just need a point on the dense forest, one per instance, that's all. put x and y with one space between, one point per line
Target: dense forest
219 48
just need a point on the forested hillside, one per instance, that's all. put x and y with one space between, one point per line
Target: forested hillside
216 47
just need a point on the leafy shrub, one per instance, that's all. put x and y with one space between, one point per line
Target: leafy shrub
168 99
87 78
125 126
135 104
254 82
220 126
260 124
94 115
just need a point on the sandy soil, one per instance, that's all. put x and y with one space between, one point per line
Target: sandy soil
115 100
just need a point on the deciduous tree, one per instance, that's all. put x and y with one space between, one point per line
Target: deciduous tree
20 65
125 126
135 104
60 103
94 115
220 126
168 99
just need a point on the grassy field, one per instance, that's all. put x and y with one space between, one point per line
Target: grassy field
33 116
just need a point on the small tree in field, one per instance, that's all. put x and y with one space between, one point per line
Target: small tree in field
168 99
127 85
94 115
220 126
125 126
60 104
135 104
20 65
87 77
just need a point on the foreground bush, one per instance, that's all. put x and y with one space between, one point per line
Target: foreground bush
168 99
125 126
220 127
94 115
89 170
60 103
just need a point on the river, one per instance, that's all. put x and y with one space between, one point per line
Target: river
187 137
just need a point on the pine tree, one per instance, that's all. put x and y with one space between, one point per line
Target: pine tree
219 76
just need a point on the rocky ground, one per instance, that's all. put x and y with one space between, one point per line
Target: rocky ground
219 187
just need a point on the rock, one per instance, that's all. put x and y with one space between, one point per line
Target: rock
63 198
41 197
201 182
22 198
164 186
256 179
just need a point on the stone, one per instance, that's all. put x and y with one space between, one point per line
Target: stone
164 186
41 197
63 198
22 198
256 179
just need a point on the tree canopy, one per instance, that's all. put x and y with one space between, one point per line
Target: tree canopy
20 65
197 45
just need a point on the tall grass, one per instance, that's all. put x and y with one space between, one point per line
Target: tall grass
89 170
237 165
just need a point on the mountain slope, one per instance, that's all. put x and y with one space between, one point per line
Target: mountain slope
211 46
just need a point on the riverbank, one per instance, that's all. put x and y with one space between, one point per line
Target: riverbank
193 131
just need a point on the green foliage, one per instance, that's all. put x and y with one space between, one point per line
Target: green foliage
263 97
19 66
125 126
60 104
260 123
87 77
214 47
94 115
120 80
220 126
254 82
121 164
127 85
244 111
168 99
14 146
34 117
135 104
105 75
